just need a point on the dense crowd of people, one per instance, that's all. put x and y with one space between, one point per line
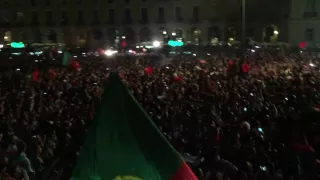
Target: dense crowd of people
229 121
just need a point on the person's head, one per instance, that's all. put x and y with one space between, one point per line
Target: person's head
245 126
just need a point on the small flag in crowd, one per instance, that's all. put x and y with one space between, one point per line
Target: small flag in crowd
124 143
202 61
177 78
302 45
148 70
52 74
121 75
75 65
245 67
35 75
66 58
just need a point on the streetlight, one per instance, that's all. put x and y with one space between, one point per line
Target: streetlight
108 52
164 32
174 34
276 32
156 44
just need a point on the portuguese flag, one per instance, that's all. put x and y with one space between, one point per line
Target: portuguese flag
124 144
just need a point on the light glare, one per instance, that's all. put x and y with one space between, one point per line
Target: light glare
156 44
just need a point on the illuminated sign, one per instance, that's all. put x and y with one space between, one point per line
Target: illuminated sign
17 45
175 43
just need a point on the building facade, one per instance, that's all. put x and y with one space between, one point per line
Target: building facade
99 23
304 22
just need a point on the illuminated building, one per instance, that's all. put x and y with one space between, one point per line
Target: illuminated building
304 22
98 23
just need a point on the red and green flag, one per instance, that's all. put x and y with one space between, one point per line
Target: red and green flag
124 144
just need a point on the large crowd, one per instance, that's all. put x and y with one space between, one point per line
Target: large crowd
229 119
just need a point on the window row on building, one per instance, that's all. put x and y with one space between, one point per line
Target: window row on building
81 17
35 3
102 36
109 36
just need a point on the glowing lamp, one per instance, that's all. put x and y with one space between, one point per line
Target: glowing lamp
156 44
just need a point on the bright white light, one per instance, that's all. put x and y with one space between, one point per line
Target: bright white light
130 51
83 53
137 47
18 69
208 54
301 52
5 38
35 60
257 47
276 32
75 56
164 32
194 54
156 44
59 52
311 64
109 52
123 37
252 50
174 34
1 45
141 46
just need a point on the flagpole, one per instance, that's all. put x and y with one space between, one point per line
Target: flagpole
243 28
